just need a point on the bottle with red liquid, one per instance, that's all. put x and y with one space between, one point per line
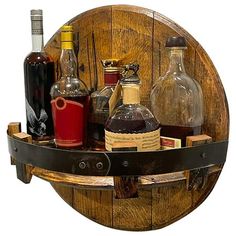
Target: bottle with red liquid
99 108
38 78
70 98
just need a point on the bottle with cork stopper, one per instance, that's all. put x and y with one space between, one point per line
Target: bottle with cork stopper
132 126
176 98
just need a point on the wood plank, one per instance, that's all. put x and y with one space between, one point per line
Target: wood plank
65 192
197 178
23 171
125 186
215 103
170 203
94 42
200 195
53 49
102 182
132 32
162 179
79 181
92 26
95 204
13 127
133 213
106 182
161 56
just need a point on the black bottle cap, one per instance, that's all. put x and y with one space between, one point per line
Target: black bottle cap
176 42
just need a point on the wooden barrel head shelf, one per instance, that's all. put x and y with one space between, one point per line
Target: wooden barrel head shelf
166 193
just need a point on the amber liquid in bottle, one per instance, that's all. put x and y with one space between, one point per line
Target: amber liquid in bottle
176 98
96 131
180 132
99 107
132 125
39 74
137 125
70 98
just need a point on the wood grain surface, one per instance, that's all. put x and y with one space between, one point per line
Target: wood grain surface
136 34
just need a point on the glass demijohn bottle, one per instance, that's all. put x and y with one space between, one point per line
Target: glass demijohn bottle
176 98
70 98
132 126
38 77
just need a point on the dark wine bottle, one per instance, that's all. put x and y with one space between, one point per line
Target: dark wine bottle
39 77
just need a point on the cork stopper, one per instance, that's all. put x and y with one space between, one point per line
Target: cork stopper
129 74
176 42
130 84
111 65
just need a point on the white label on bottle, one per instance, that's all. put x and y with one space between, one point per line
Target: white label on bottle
36 124
149 141
115 97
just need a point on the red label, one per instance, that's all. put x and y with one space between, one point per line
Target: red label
167 142
111 78
68 118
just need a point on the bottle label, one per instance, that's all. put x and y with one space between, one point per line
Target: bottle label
115 97
131 94
111 78
36 125
170 143
149 141
68 117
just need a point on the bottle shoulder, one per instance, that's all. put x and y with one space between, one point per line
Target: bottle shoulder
177 101
132 112
104 92
176 81
69 87
38 57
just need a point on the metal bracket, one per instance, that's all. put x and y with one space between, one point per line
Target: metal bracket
121 163
197 178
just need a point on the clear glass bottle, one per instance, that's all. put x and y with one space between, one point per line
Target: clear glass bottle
132 126
70 98
176 98
38 78
99 109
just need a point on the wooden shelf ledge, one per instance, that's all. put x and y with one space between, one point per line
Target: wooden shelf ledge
102 183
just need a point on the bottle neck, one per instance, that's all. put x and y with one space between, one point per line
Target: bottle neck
131 94
111 78
68 63
37 43
176 61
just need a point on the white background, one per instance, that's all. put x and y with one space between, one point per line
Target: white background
36 209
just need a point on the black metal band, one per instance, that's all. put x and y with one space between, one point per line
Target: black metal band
117 163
